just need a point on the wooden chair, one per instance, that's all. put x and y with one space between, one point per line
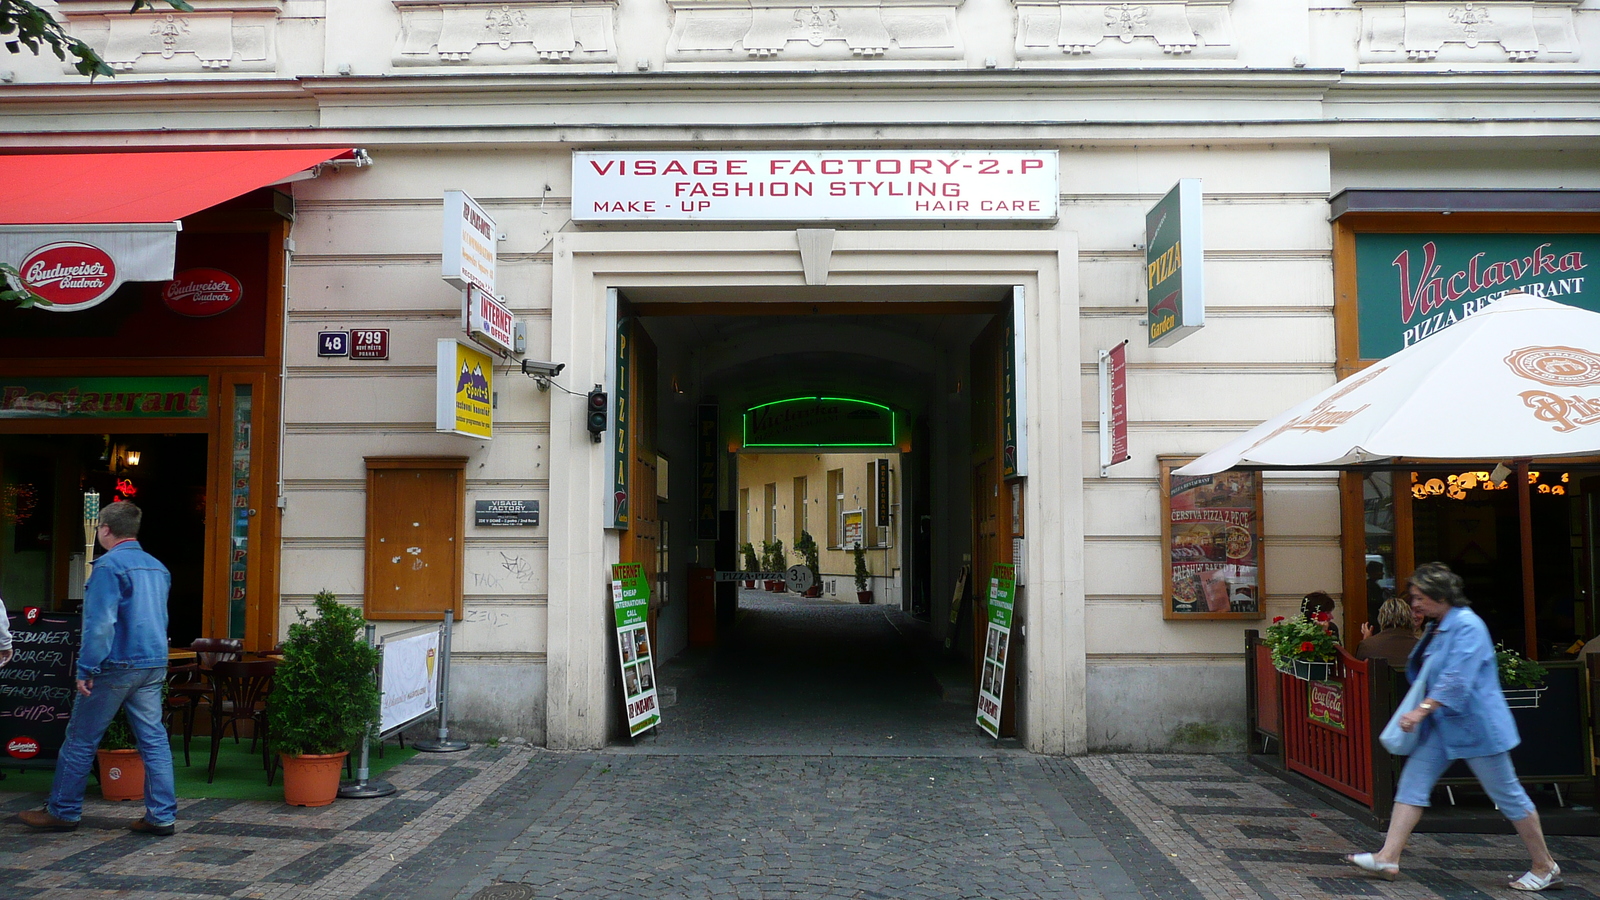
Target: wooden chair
188 687
239 694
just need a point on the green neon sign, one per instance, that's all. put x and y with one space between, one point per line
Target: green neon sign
820 422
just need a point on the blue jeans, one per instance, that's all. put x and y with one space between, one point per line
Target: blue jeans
139 692
1425 766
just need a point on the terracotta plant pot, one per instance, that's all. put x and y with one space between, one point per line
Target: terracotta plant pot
864 596
814 591
312 779
121 774
750 585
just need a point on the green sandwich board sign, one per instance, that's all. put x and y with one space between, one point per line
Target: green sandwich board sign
997 646
630 599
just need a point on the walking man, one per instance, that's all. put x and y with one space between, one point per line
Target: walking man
121 665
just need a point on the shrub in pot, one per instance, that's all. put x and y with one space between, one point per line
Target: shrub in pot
863 577
751 563
807 547
777 560
121 766
324 700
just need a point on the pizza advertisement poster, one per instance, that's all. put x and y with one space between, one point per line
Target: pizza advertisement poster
630 593
1212 543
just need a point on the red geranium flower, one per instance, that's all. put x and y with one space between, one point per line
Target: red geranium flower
1307 647
1324 617
1277 619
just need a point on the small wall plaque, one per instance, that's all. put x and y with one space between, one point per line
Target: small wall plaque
505 512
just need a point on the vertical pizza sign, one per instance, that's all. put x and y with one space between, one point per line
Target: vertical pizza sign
630 599
997 646
1213 541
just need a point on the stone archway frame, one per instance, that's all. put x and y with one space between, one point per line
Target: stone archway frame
1044 263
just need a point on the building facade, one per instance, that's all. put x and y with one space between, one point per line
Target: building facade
1307 124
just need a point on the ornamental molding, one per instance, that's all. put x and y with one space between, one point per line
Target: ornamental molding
499 33
1484 32
1073 29
215 37
762 30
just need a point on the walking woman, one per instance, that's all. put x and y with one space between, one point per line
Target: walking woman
1464 717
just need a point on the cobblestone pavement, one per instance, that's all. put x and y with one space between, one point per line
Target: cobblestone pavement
785 812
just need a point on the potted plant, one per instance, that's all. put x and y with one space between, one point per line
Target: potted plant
1521 678
863 577
1304 647
121 766
807 547
777 561
751 563
324 700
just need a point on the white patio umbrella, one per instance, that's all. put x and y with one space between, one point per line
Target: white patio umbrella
1519 379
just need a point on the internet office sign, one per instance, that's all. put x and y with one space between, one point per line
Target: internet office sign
1174 292
1412 286
817 186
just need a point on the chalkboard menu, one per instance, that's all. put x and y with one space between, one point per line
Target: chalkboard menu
37 688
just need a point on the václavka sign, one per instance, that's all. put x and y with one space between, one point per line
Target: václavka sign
1410 286
817 186
469 243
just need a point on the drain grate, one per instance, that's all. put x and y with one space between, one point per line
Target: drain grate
506 891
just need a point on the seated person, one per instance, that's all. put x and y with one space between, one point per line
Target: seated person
1393 642
1318 607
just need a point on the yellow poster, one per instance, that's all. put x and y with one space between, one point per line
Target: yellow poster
465 390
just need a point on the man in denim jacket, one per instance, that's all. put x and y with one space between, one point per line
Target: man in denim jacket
121 665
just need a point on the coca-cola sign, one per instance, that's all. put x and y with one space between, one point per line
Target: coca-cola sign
200 293
71 275
22 747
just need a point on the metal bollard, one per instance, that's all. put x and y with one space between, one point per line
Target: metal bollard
444 744
363 788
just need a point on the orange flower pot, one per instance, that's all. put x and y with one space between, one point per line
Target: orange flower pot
311 780
121 774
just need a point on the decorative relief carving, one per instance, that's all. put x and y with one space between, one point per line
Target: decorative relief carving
232 37
511 33
1469 31
1051 29
725 30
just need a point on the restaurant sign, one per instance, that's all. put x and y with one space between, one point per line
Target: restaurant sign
1174 292
1410 286
166 397
464 390
819 422
77 270
817 186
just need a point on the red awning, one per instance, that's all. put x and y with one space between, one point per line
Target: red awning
134 187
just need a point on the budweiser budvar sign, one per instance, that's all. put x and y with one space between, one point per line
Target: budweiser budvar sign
1411 286
69 274
200 293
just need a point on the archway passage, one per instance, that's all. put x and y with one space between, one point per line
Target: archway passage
838 668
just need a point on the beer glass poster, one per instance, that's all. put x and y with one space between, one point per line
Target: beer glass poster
1212 543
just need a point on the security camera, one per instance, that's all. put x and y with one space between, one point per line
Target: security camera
542 369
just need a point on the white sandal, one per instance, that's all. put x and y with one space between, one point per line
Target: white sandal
1532 882
1366 862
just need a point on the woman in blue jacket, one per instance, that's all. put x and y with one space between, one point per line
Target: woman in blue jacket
1464 717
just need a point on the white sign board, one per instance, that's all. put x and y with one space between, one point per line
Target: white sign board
489 321
469 243
817 186
410 679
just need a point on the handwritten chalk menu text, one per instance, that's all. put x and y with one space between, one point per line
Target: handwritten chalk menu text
37 688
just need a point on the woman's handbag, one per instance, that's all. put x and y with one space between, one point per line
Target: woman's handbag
1395 740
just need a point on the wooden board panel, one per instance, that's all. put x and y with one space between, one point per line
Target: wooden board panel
416 523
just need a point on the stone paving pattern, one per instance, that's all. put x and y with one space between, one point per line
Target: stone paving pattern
850 770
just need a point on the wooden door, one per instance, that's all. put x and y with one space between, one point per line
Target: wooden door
641 541
991 509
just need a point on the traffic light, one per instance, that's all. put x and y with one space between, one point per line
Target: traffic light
597 413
